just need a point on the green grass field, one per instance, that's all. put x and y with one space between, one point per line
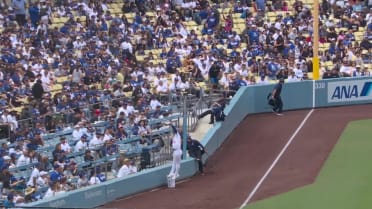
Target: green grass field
345 181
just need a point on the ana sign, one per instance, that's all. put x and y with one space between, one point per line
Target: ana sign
347 91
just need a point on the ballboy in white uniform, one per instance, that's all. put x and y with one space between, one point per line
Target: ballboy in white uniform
177 154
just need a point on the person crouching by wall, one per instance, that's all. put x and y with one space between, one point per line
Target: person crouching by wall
196 150
216 111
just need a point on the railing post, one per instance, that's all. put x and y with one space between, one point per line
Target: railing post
184 131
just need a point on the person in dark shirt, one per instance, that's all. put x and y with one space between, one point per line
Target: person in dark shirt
332 35
5 177
214 73
88 157
58 153
277 100
121 120
327 74
9 202
216 111
366 44
37 90
196 150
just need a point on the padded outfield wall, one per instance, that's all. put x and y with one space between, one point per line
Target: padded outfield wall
248 100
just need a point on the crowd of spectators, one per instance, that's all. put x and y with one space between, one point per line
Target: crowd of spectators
66 64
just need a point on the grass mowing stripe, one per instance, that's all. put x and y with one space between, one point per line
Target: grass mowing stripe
345 181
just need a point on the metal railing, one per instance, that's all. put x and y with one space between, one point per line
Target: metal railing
195 106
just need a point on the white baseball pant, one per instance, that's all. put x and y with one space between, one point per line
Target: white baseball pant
176 164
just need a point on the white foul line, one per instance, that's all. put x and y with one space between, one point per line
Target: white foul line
276 160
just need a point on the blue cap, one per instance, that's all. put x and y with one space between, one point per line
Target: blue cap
54 176
10 196
56 166
20 138
84 136
81 174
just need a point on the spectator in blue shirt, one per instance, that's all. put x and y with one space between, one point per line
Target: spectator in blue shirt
7 57
212 20
233 43
253 34
172 64
216 112
207 30
65 29
203 14
34 14
57 174
288 19
273 68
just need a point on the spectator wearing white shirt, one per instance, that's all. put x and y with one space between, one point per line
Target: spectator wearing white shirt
224 81
10 118
176 76
244 71
132 168
94 178
24 159
124 169
346 70
96 141
35 174
14 40
298 71
82 181
54 190
82 143
160 68
108 134
42 28
155 79
204 65
292 77
123 108
77 132
154 102
263 80
358 72
43 179
136 73
176 86
65 145
4 116
130 107
126 45
162 88
79 44
46 79
151 69
237 66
